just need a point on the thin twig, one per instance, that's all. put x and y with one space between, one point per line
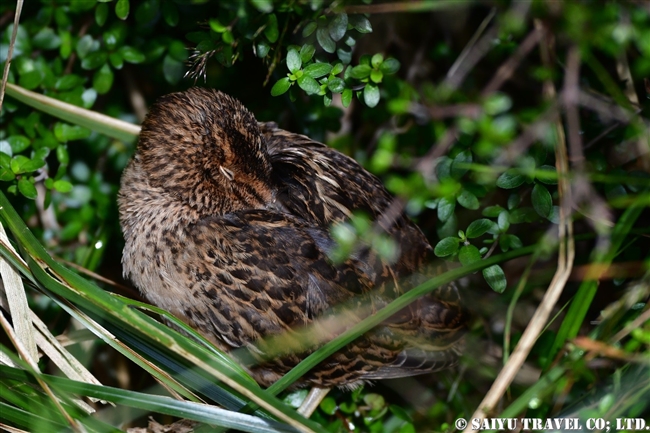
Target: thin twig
472 42
570 95
415 6
10 51
636 323
508 68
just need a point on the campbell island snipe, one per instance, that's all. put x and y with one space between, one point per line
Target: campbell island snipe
227 226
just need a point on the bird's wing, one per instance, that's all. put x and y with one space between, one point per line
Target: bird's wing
262 273
323 186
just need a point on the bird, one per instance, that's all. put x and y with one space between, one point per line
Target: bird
228 226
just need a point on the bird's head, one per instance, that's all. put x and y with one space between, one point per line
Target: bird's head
205 148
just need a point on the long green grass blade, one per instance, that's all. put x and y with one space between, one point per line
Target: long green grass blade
603 257
154 403
79 116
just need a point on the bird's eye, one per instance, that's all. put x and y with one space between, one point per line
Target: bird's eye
226 172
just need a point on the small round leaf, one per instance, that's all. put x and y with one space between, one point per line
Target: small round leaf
281 86
478 228
469 254
446 208
468 200
542 201
293 61
510 179
446 247
371 95
317 70
27 188
308 84
495 278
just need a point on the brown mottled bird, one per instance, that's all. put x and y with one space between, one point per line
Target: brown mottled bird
227 226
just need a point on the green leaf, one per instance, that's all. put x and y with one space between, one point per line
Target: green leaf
18 143
361 71
376 76
542 200
337 69
523 215
27 188
337 27
116 60
547 174
360 23
225 56
508 242
346 97
478 228
503 221
469 254
172 69
510 179
446 247
101 14
103 80
30 80
371 95
468 200
317 70
293 61
309 29
308 84
64 132
446 208
325 41
46 39
170 13
492 211
68 82
133 55
336 85
146 11
262 48
345 56
85 45
227 37
178 51
62 186
376 60
6 174
497 103
62 154
264 6
495 278
389 66
328 405
271 31
307 52
514 200
460 163
280 86
216 26
21 164
94 60
443 168
122 9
